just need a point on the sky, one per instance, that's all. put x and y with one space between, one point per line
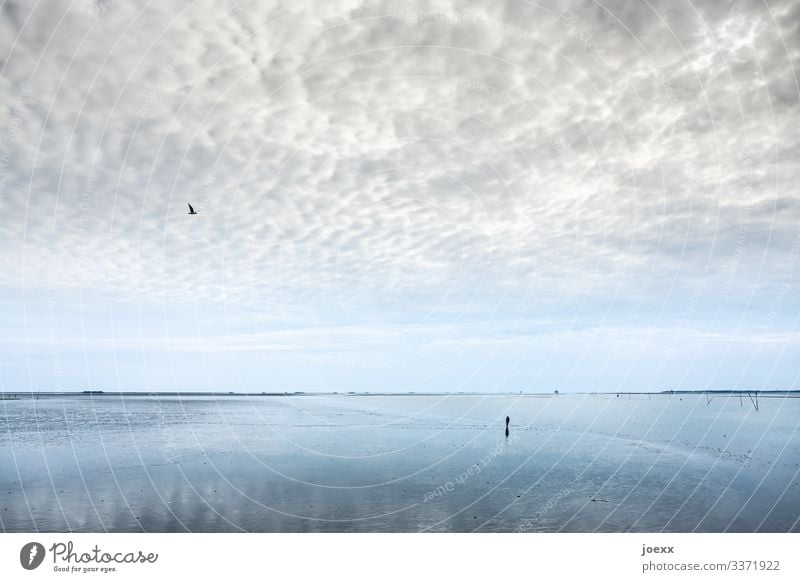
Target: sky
402 196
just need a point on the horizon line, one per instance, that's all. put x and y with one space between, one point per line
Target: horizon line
390 393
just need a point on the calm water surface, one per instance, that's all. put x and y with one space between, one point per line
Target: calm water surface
399 463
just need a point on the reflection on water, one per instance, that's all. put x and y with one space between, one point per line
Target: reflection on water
399 463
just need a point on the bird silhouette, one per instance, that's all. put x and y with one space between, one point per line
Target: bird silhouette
191 210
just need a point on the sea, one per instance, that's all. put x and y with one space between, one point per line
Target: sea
399 463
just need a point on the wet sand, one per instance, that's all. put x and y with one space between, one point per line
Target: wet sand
577 463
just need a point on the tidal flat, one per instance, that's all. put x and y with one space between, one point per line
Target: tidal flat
390 463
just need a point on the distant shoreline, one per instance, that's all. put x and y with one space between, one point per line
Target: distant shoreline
9 395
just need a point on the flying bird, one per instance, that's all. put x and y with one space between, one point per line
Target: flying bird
191 210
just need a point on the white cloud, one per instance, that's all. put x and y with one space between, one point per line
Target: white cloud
416 160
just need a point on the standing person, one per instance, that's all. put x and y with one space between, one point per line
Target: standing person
508 419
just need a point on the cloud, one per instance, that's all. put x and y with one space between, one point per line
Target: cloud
424 160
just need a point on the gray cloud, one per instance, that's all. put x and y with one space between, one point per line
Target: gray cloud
418 154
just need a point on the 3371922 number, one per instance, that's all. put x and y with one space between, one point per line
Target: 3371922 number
756 565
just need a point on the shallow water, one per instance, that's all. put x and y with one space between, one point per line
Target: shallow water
399 463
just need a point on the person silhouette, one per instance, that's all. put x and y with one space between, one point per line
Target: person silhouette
508 419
